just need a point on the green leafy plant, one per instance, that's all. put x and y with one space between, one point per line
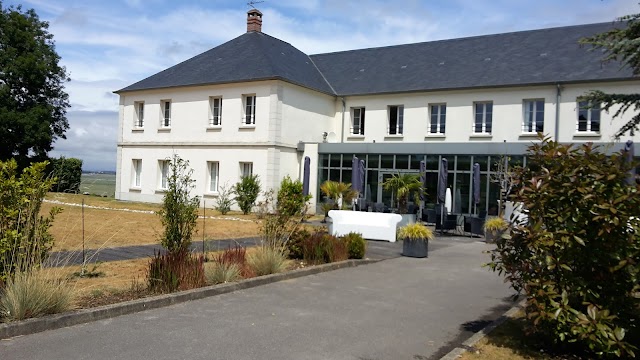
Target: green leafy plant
179 211
224 201
291 200
415 232
338 190
356 245
25 240
266 260
246 192
175 271
403 185
220 272
577 259
33 294
495 224
68 172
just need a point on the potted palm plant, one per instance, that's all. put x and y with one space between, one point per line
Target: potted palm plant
402 186
494 228
339 192
415 240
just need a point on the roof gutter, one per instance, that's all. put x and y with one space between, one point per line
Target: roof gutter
557 129
344 106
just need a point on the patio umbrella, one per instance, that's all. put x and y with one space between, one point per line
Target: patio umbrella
442 180
457 202
629 150
361 171
476 186
355 174
305 176
423 180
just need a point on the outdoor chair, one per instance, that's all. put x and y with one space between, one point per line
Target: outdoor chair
449 223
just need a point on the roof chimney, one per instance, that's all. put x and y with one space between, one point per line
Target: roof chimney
254 20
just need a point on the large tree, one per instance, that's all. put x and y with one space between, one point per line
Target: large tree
620 44
33 103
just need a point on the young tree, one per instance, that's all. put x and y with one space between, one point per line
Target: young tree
247 191
68 172
179 209
620 44
505 178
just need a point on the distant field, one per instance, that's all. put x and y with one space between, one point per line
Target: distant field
99 184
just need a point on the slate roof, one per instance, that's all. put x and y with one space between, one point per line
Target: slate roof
533 57
249 57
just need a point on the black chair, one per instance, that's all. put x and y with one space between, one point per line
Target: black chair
429 216
446 222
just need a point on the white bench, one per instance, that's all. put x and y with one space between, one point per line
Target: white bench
376 226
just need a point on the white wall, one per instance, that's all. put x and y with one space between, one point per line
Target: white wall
306 114
507 114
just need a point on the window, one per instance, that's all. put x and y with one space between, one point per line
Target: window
164 173
215 106
588 117
165 106
396 120
357 122
246 169
483 117
533 121
137 170
249 109
139 108
214 167
438 118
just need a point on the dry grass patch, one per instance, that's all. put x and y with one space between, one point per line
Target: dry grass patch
111 228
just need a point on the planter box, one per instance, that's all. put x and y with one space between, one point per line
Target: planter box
413 248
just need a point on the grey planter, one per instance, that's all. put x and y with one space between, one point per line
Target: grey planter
407 219
415 248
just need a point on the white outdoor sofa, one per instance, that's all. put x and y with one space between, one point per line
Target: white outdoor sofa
375 226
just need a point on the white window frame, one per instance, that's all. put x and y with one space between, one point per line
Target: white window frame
215 112
249 106
165 114
213 176
246 168
530 116
440 118
164 169
484 129
589 108
136 173
399 125
138 108
358 120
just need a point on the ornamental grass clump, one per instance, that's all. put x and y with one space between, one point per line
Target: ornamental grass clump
266 260
577 258
495 224
33 294
220 272
415 232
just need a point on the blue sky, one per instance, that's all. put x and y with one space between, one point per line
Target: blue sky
107 45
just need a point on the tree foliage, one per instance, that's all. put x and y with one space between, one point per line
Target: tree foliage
291 199
620 44
179 211
33 102
403 185
24 238
247 191
577 259
68 172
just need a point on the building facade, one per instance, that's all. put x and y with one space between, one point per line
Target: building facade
258 105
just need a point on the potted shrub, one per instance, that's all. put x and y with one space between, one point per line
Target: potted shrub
403 185
494 228
415 240
341 193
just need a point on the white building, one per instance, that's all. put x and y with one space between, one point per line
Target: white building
258 105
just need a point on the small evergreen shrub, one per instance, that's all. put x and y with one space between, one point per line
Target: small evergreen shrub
175 271
224 201
266 260
295 243
33 294
246 192
356 245
291 201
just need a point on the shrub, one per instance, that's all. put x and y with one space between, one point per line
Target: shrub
175 271
577 259
236 255
25 240
295 243
263 207
32 294
267 260
356 245
219 273
224 201
179 211
291 200
68 172
322 248
415 232
247 191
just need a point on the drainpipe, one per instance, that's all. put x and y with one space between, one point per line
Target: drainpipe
558 90
344 105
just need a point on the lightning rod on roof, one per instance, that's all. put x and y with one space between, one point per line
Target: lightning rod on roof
252 3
